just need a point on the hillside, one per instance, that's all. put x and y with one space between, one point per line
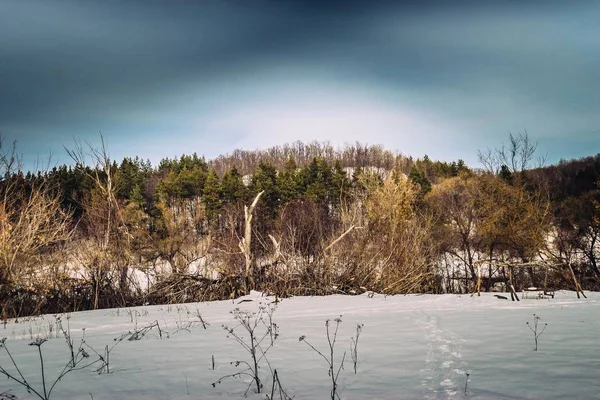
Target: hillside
325 220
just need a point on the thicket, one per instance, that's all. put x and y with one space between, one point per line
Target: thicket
329 220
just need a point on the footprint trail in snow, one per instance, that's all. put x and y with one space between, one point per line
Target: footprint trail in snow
445 372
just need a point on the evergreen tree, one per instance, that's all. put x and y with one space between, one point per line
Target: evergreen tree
190 182
129 174
420 179
506 175
287 180
212 196
265 179
340 184
316 179
137 196
356 174
232 187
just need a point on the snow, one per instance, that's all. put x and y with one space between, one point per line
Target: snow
411 347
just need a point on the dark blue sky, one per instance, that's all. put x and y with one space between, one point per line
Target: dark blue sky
162 78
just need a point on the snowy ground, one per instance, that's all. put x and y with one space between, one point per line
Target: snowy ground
411 347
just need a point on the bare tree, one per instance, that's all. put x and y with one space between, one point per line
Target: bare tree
245 243
105 256
457 204
517 156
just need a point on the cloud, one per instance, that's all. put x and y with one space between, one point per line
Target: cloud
413 76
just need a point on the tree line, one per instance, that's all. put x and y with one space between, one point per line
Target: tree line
299 219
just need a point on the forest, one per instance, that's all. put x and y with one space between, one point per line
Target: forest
297 219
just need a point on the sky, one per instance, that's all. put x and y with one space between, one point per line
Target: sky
161 78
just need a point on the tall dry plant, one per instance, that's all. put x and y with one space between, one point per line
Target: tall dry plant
102 250
32 224
396 237
305 245
180 240
376 241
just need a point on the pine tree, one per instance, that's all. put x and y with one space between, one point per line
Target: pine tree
316 179
190 182
420 179
232 187
137 196
506 175
340 186
265 179
212 196
287 180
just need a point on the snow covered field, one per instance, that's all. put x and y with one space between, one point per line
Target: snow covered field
411 347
